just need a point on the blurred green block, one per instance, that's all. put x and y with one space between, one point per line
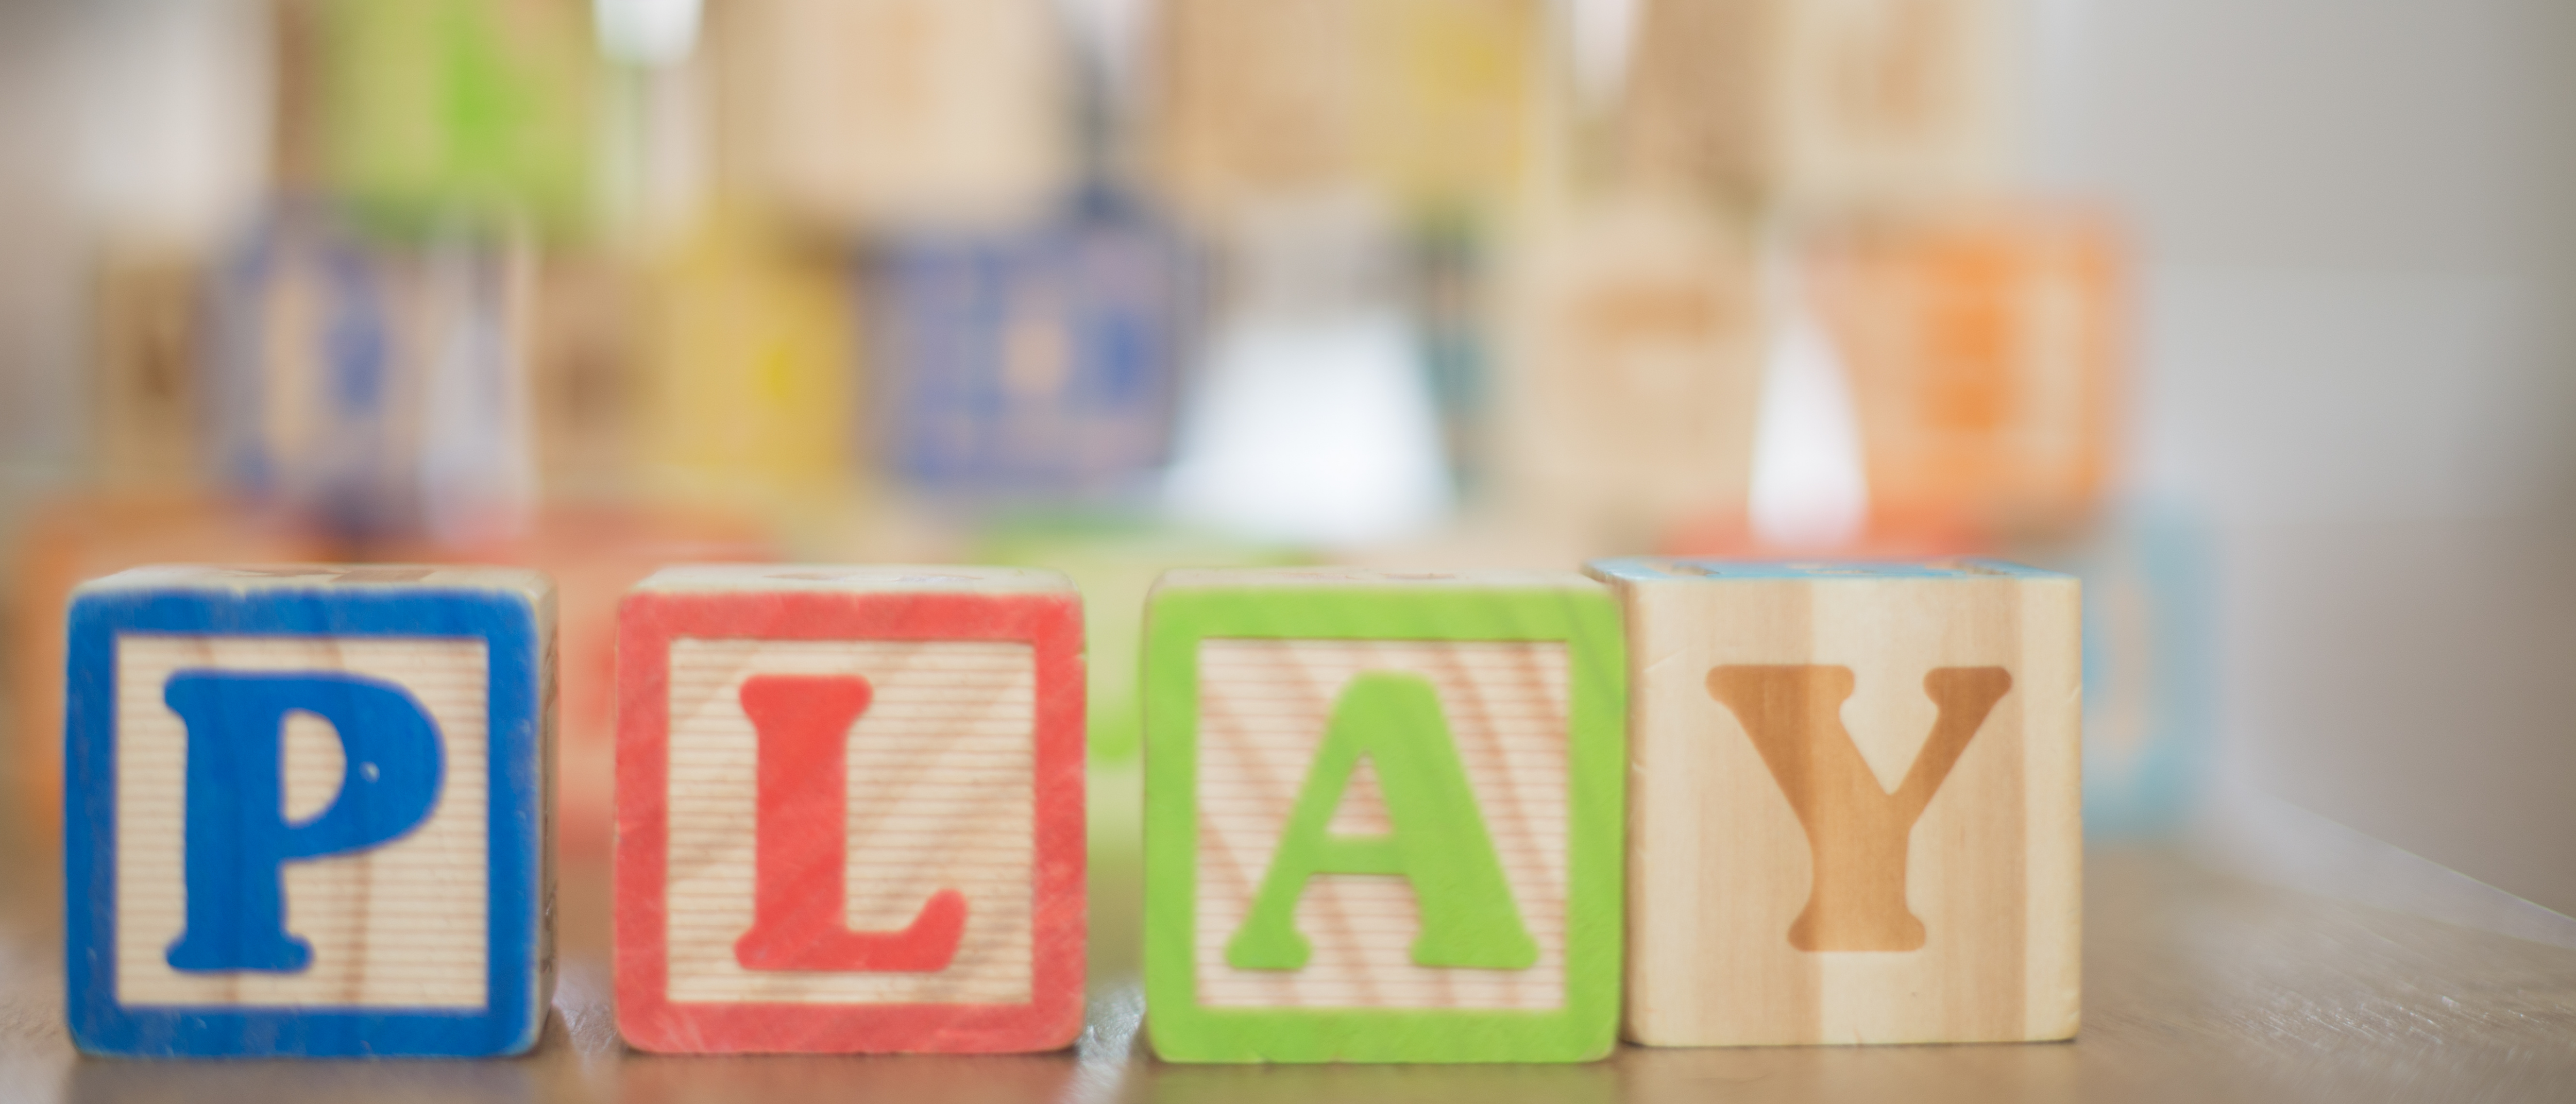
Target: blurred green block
436 111
1383 816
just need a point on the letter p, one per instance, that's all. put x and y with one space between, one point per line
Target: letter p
238 838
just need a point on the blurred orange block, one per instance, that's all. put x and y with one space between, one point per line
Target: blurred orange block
81 538
594 554
1985 356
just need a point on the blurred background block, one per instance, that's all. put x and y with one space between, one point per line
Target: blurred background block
435 110
867 113
1638 331
1829 104
1985 357
1036 365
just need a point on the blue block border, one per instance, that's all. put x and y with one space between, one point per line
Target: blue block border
516 843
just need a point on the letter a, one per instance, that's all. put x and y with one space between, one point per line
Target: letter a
1857 832
1439 842
238 838
800 868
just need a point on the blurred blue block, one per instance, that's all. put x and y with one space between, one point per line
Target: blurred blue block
2149 666
1038 364
304 365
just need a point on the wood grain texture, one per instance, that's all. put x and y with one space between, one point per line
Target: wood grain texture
409 848
1855 808
960 789
1820 103
1264 707
1251 680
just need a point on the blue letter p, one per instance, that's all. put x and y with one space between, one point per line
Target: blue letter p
238 836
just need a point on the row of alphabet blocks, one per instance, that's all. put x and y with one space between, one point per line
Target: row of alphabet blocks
1389 817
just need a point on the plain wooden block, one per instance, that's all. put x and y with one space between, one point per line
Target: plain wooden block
1432 104
1855 808
306 811
1635 371
1382 816
850 810
868 114
1821 103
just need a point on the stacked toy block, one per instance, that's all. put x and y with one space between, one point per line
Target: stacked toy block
850 810
306 811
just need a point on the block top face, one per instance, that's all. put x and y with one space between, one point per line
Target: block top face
854 579
1348 577
259 578
1656 569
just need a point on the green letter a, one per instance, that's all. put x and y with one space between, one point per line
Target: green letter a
1438 843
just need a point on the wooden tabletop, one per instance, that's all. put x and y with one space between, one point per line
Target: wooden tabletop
2198 986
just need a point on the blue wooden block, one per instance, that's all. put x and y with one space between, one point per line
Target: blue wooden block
309 390
1040 363
305 811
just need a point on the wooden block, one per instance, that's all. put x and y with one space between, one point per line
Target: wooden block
1636 371
749 348
1382 816
431 112
1038 363
1434 104
314 392
1984 354
306 809
1821 103
850 810
1855 807
864 114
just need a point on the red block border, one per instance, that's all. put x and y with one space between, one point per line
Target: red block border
647 623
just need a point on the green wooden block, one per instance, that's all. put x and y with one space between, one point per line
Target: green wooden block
1383 816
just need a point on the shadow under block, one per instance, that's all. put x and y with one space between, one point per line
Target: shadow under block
1855 811
850 810
306 811
1382 816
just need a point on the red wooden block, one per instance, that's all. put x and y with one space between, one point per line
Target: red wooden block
849 810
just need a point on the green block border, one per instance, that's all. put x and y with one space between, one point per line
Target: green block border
1583 615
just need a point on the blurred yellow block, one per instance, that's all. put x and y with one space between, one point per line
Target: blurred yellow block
750 368
1984 354
1821 103
1635 372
